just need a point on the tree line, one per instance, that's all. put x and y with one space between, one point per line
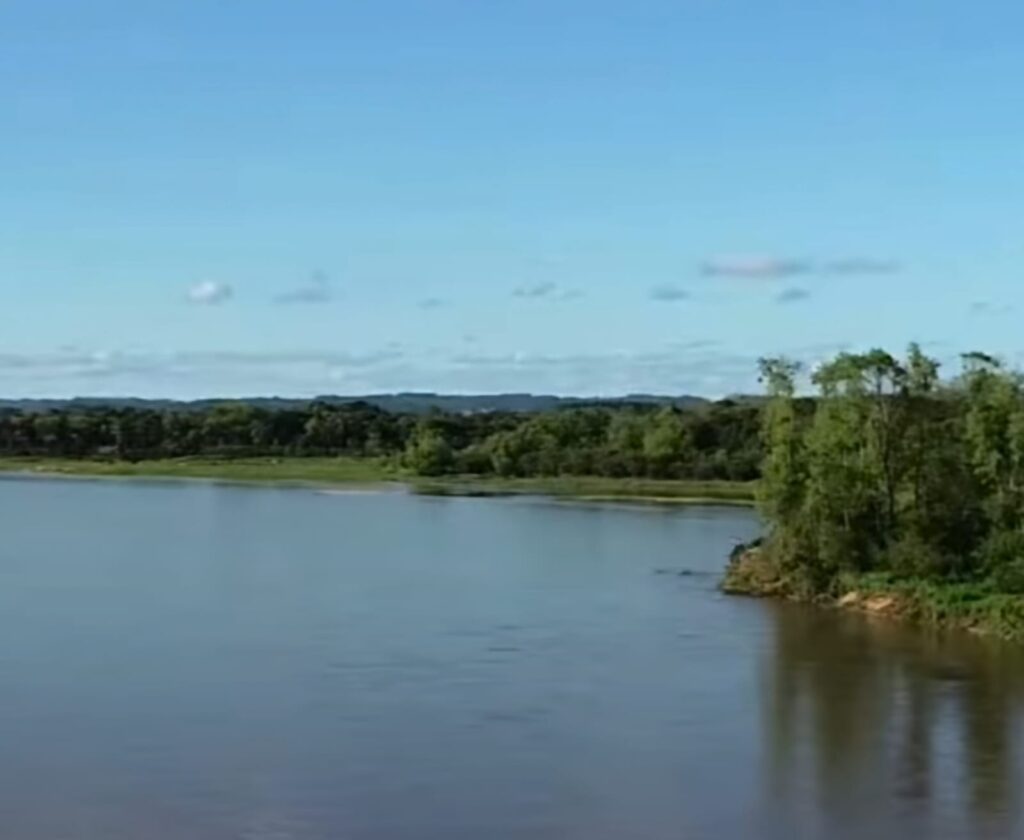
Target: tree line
717 441
891 469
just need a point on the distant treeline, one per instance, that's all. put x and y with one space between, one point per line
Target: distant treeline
709 441
403 402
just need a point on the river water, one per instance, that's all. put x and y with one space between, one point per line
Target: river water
201 661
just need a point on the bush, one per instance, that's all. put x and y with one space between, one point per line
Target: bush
910 556
429 453
1002 558
474 460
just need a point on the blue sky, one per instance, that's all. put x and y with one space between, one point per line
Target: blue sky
227 198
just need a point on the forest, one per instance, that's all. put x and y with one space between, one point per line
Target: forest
716 441
893 472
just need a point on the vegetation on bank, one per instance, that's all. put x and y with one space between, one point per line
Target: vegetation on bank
973 605
262 470
654 453
894 488
715 442
597 489
977 605
370 471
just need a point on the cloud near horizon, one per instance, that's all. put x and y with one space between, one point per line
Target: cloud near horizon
700 367
151 369
304 373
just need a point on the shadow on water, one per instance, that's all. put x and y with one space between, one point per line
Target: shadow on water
875 726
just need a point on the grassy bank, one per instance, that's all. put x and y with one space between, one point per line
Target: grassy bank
347 471
976 606
597 489
260 470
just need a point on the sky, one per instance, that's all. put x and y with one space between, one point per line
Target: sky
595 197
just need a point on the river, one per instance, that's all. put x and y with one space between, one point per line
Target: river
204 661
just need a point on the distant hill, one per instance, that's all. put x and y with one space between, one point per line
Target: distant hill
401 403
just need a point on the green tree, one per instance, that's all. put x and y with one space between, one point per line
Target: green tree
783 482
428 453
994 429
665 442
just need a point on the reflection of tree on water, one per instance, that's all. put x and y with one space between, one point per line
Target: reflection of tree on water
868 717
991 700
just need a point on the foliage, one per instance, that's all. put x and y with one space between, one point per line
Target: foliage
890 471
428 453
709 443
595 488
311 470
976 605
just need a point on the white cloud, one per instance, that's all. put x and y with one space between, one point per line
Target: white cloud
210 293
755 267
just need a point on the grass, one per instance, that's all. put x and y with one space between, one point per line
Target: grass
342 471
259 470
978 606
596 489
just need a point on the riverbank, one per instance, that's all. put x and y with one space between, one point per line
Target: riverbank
335 472
595 489
972 606
327 471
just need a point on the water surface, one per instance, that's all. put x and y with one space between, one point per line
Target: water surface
201 661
